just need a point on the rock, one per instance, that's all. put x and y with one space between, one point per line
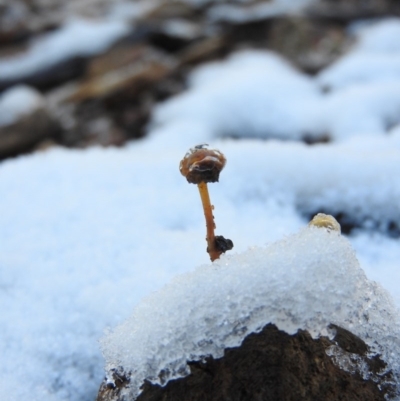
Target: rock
51 76
204 50
171 9
310 44
24 121
123 69
113 101
275 366
24 134
13 22
347 10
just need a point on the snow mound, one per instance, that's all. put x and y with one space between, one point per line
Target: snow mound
362 109
374 58
355 177
251 94
306 281
17 102
257 94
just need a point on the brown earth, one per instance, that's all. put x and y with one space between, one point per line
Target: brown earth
275 366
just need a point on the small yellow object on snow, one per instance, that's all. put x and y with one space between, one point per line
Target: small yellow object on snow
326 221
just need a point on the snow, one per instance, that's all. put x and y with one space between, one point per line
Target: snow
374 58
235 13
362 109
17 102
333 178
78 37
250 94
257 94
88 236
307 280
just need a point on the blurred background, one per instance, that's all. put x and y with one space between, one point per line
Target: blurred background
100 100
93 70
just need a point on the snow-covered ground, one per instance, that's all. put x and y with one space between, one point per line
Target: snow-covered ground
86 235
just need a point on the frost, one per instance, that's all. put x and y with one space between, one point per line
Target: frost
306 281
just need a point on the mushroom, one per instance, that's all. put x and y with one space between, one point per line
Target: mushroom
325 220
201 166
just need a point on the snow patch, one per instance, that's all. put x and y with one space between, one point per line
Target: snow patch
78 37
252 94
18 101
305 281
240 14
374 58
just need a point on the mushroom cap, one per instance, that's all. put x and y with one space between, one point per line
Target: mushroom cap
201 164
325 220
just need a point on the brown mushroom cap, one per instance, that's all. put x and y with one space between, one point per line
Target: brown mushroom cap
201 164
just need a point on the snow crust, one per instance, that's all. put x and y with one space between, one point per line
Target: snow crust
78 37
307 280
18 101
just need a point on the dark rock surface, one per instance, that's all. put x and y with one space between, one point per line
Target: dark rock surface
27 133
275 366
348 10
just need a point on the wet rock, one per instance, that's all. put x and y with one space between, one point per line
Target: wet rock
310 44
13 22
345 11
174 35
113 102
24 120
129 68
51 76
275 366
26 133
171 9
204 50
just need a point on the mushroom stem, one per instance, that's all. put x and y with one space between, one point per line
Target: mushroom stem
207 207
